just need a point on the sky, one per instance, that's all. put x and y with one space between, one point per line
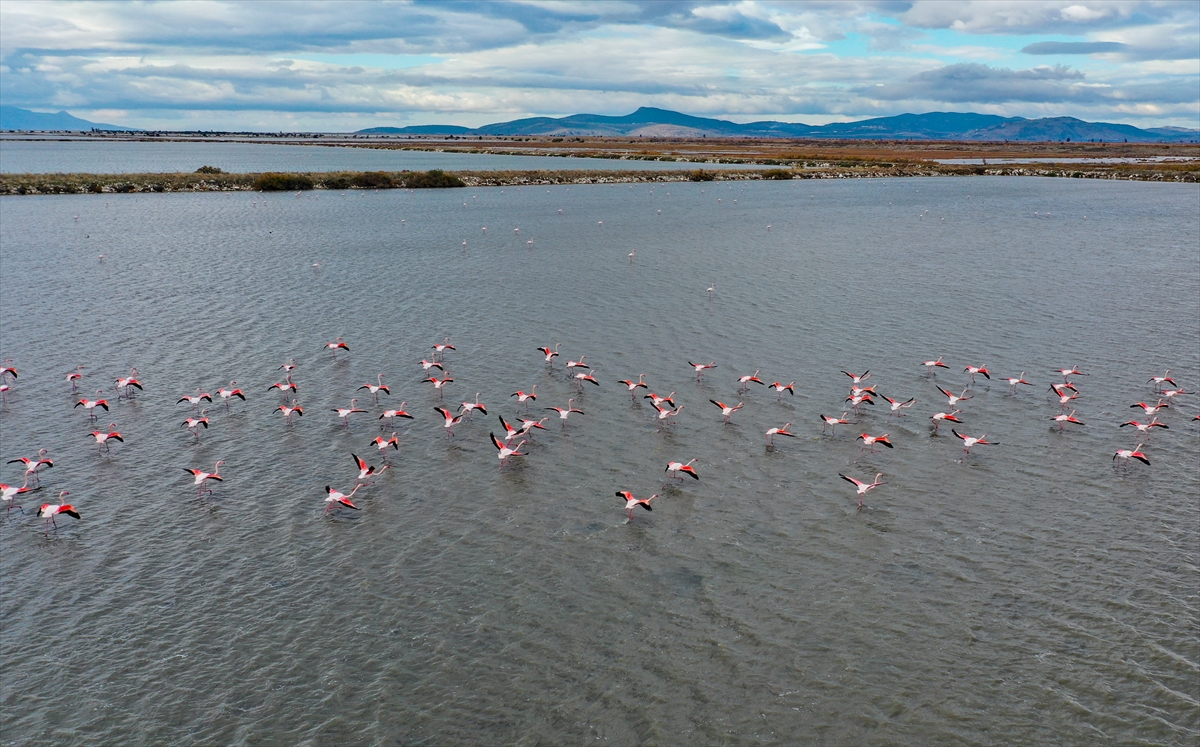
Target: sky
339 66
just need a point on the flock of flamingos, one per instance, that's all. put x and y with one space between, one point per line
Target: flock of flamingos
520 429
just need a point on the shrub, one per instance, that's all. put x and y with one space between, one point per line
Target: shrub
208 170
337 182
372 179
433 179
700 175
272 182
777 174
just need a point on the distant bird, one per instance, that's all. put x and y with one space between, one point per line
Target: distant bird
376 388
954 398
438 383
33 465
938 417
193 424
752 378
930 365
466 408
426 365
230 393
700 368
289 366
969 441
391 415
869 442
631 501
633 386
10 492
1062 419
781 388
524 398
337 345
1151 409
450 418
727 410
565 412
863 487
674 468
577 364
1014 380
194 399
1144 428
658 401
664 415
102 438
289 410
72 377
91 404
833 423
49 511
772 432
128 383
1134 453
364 470
858 379
550 354
334 497
200 477
1072 371
898 406
1158 381
439 350
582 377
504 450
287 385
711 290
972 370
382 443
345 412
9 370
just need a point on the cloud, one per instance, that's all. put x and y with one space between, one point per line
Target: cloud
1074 47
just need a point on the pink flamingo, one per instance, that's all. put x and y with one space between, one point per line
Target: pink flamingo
334 497
930 365
33 465
1013 381
969 441
193 424
1134 453
505 451
49 511
674 468
832 423
1062 419
391 415
91 404
781 388
450 418
9 492
863 487
337 345
938 417
438 383
633 386
700 368
345 412
565 412
727 410
230 393
376 388
773 432
523 398
289 410
200 477
631 501
550 354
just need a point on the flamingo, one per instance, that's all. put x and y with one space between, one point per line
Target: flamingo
451 420
33 465
727 410
438 383
382 444
230 393
930 365
391 415
1171 394
466 408
972 370
1013 381
1062 419
781 388
898 406
582 377
8 370
528 425
1063 399
833 423
664 414
1144 428
711 290
969 441
938 417
128 383
744 380
336 345
550 354
72 378
4 390
1151 409
200 477
91 404
856 378
699 368
1072 371
365 470
523 398
631 501
857 400
426 365
9 492
439 350
577 364
869 442
565 412
289 366
333 497
49 511
1134 453
195 399
632 254
863 487
772 432
856 390
633 386
1158 381
657 400
1058 389
505 451
509 432
193 423
674 468
288 410
954 398
345 412
376 388
287 385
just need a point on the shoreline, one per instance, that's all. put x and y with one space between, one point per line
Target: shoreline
81 183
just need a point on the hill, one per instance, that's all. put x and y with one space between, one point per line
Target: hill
13 118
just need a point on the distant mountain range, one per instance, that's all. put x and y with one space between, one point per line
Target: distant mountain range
12 118
651 122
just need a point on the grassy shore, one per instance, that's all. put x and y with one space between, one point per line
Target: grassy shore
42 184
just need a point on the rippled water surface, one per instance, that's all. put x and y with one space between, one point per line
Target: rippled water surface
1030 593
110 157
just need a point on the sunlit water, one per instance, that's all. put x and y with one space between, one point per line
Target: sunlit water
112 157
1031 593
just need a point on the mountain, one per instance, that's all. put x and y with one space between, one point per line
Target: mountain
12 118
651 122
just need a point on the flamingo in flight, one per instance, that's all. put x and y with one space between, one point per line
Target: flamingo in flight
438 383
773 432
376 388
289 366
524 398
345 412
128 383
938 417
752 378
426 365
727 410
91 404
1144 428
49 511
334 497
391 415
9 492
582 377
337 345
504 451
700 368
72 378
287 385
200 477
972 370
1072 371
34 465
382 444
1151 409
631 501
193 424
930 365
954 398
466 408
565 412
288 410
9 370
674 469
1013 381
969 441
1062 419
833 423
230 393
657 400
858 379
577 364
869 442
633 386
450 418
528 425
550 354
195 399
1171 394
863 487
781 388
898 406
365 470
439 350
1134 453
664 415
1158 381
857 400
